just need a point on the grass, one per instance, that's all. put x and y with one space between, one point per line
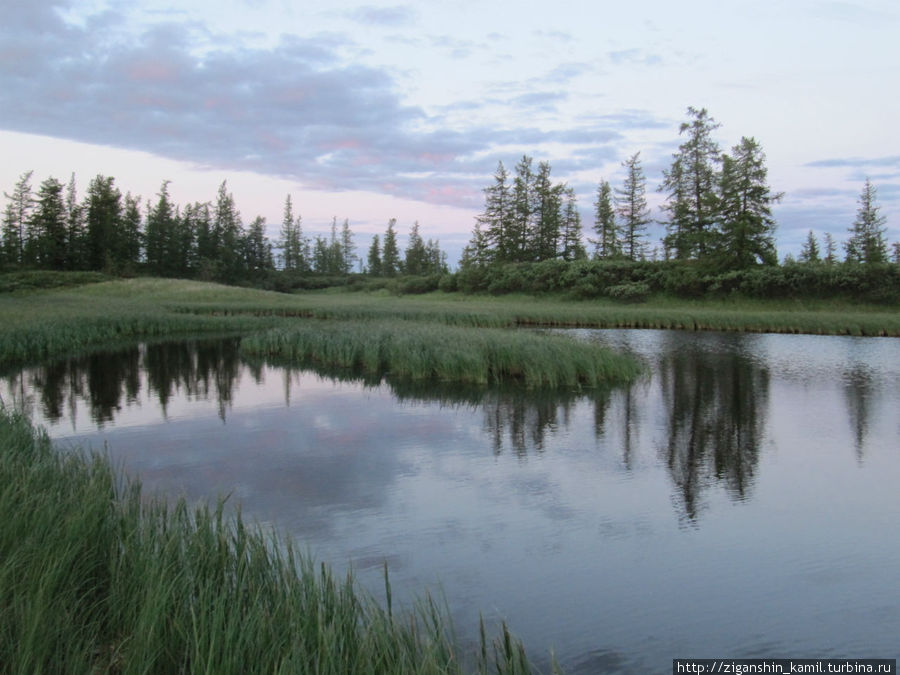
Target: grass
410 350
95 577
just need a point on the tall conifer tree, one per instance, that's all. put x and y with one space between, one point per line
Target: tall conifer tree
867 243
631 207
390 254
691 185
747 230
606 245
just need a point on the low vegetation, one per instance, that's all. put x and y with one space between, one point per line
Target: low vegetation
61 320
96 577
405 350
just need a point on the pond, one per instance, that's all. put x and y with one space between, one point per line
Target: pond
740 500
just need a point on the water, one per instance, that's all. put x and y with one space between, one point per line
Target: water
738 501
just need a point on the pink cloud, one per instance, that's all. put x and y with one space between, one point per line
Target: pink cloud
151 71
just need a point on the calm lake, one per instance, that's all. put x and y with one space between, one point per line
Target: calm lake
740 500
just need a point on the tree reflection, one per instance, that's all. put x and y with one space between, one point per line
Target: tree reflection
716 406
858 392
714 403
108 380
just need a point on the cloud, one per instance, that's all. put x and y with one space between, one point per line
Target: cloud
565 72
634 56
850 12
397 15
855 162
294 110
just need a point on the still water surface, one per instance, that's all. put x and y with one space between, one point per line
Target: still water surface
740 500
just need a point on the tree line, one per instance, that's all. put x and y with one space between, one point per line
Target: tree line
52 229
717 216
717 212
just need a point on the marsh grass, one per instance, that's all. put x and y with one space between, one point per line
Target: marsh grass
409 350
39 324
95 577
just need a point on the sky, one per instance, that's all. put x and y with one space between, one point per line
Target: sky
379 110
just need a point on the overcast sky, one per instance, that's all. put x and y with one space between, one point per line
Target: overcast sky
380 110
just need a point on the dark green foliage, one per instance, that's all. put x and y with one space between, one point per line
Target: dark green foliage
690 184
415 260
810 251
103 216
390 254
45 244
15 221
630 292
374 259
606 245
161 231
591 279
867 243
33 280
746 234
294 246
631 206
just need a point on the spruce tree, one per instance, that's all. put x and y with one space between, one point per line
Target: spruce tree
348 250
809 252
257 250
415 261
606 245
132 231
691 185
15 220
76 244
294 247
572 246
374 259
477 253
631 207
435 258
867 243
227 236
160 229
495 223
390 254
747 228
45 246
523 209
830 251
544 239
103 220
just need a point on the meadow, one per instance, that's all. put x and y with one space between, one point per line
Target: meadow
37 324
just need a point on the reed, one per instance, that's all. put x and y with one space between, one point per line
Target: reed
96 577
40 324
410 350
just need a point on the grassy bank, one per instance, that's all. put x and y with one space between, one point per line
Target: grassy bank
95 577
404 350
38 324
366 334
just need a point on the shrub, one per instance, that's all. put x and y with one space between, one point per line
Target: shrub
629 292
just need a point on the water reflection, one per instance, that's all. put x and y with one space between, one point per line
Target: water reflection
705 403
858 392
204 369
620 526
716 407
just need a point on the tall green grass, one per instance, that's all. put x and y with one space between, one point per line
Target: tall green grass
95 577
39 324
426 351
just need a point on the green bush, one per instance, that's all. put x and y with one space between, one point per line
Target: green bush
629 292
